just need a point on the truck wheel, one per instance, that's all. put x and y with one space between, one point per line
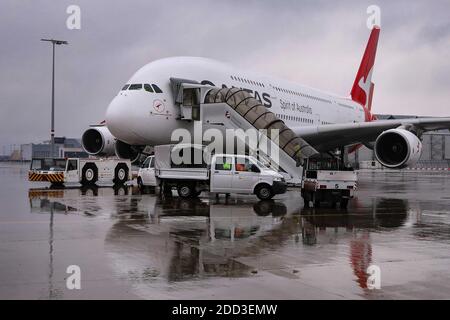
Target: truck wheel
264 192
120 174
89 174
185 190
344 203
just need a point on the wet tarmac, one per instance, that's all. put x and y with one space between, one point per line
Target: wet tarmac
134 246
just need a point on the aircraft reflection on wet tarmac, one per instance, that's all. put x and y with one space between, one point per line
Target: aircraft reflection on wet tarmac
159 239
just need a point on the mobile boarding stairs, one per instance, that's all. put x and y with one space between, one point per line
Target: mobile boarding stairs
274 144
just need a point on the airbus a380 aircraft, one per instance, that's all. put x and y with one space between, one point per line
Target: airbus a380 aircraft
145 113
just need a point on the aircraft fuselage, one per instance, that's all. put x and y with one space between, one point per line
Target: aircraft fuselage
145 113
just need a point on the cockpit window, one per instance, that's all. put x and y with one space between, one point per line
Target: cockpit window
125 87
148 87
135 86
156 88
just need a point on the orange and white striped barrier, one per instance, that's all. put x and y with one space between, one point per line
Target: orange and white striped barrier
53 177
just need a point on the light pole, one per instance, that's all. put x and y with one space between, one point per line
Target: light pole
52 132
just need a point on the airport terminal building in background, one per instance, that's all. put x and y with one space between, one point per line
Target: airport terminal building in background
64 148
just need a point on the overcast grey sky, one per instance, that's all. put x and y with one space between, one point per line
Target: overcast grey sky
316 43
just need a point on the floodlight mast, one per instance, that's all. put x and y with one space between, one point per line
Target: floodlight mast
52 131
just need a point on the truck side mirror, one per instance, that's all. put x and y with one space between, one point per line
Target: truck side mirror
254 168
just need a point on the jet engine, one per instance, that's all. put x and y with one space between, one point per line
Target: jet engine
98 141
126 151
397 148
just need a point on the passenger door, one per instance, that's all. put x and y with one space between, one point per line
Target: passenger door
243 177
72 174
222 174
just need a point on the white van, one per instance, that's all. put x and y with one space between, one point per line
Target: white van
225 173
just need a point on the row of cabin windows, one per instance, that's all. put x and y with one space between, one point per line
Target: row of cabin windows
295 93
298 119
138 86
294 118
243 80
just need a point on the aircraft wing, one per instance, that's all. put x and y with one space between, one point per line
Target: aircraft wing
328 137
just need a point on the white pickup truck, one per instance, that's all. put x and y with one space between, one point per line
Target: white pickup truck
327 180
220 173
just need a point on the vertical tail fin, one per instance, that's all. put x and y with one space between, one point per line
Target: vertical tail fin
362 89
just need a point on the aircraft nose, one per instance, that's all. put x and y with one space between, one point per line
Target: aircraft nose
116 119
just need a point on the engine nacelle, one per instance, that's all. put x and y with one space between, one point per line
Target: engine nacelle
126 151
98 141
397 148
